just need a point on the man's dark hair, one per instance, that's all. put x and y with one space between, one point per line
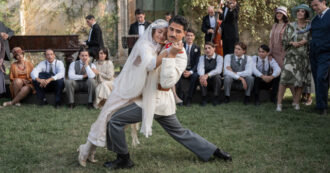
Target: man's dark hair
180 20
89 17
191 30
210 44
82 49
242 45
50 50
139 11
168 14
264 47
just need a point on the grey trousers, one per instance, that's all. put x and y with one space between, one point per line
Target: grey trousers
132 113
88 85
228 81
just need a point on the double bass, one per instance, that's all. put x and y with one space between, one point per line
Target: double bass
216 36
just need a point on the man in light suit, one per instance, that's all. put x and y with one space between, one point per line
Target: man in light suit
5 34
229 26
95 39
168 73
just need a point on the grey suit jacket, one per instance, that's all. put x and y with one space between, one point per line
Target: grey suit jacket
10 32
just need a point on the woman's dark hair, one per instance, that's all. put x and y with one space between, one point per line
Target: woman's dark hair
306 16
105 51
81 50
264 47
285 18
242 45
180 20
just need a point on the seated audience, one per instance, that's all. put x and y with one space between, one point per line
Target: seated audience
238 71
190 75
20 79
265 70
48 75
209 69
81 78
104 78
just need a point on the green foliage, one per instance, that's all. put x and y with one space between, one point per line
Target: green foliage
256 16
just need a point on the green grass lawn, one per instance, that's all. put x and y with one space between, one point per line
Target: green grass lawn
44 139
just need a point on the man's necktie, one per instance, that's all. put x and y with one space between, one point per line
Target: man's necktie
83 70
188 57
263 71
51 69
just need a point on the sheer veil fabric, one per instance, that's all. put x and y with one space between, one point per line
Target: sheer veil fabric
132 81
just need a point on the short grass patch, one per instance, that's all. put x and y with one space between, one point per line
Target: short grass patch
44 139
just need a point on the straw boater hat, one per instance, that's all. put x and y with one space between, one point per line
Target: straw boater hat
304 7
283 10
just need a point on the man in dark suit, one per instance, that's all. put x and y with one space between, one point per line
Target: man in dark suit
190 74
320 53
138 27
209 24
5 34
229 26
95 39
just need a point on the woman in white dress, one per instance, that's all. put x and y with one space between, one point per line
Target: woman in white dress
104 78
127 86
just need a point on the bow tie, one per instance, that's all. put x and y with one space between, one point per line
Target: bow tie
141 24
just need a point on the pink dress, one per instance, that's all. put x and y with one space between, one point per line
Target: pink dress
275 43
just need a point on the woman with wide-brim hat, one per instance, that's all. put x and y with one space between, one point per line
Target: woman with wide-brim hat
296 68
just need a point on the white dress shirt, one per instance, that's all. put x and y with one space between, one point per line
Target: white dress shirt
90 33
212 21
72 71
218 68
324 12
141 29
257 67
44 66
245 73
225 13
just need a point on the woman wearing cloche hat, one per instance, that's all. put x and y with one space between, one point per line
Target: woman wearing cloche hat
296 69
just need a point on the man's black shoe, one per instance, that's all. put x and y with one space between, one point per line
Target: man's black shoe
215 101
323 112
123 161
43 102
57 104
246 100
188 103
71 105
222 155
227 99
257 102
90 106
203 103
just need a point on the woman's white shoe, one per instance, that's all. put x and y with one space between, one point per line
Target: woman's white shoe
279 108
297 107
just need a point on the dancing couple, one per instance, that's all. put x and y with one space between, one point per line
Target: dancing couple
142 93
